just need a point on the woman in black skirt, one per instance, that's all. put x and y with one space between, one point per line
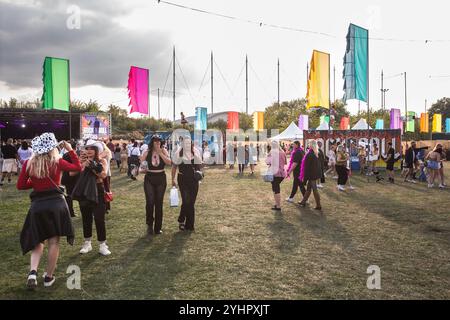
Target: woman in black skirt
155 183
48 218
187 161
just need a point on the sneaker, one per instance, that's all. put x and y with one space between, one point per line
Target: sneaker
341 188
352 188
320 186
87 247
335 177
104 250
290 200
48 282
32 280
430 185
413 181
441 186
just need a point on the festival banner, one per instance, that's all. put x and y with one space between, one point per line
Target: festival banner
233 121
258 121
411 122
138 90
356 63
437 123
56 78
303 122
345 123
318 91
396 119
447 125
379 125
95 126
424 123
201 118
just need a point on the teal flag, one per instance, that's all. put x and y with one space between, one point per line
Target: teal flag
201 118
56 93
356 64
379 124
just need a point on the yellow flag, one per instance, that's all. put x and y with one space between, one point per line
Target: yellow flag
437 123
318 94
258 121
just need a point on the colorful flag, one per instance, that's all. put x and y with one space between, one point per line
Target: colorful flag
424 123
447 125
345 123
303 122
138 92
258 121
324 119
56 94
396 122
437 123
201 118
356 64
318 91
411 122
379 125
233 121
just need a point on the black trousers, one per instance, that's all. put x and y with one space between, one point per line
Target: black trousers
189 190
69 200
155 185
342 175
94 212
295 186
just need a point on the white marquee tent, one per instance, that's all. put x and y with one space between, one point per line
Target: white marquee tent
361 125
291 133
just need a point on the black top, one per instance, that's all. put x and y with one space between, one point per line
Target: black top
67 179
312 167
391 156
9 152
321 159
160 166
298 157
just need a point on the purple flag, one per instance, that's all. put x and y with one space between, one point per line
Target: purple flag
138 90
303 122
395 119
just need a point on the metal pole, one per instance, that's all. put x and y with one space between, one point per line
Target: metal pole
329 96
246 84
278 82
174 84
406 101
212 83
159 116
334 84
368 86
382 90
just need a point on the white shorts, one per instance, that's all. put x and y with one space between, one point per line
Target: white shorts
9 165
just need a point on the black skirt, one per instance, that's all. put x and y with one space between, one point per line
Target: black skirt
47 217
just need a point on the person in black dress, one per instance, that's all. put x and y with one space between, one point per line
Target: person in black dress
310 173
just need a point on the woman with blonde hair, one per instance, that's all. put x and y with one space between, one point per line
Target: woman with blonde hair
310 173
433 164
48 218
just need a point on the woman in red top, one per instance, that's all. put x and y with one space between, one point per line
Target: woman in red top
48 217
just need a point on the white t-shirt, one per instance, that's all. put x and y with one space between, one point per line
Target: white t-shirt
25 154
134 151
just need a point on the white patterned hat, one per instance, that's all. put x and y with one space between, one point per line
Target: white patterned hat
95 144
44 143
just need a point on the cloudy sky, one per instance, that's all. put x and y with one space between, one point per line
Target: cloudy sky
114 35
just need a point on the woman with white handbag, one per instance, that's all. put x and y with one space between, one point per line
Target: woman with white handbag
155 183
276 160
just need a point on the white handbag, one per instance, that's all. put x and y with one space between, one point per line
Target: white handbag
174 199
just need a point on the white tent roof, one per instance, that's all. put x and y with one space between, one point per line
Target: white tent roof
324 127
291 133
361 125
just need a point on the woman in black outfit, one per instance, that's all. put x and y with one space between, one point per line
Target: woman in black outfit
310 173
155 183
187 160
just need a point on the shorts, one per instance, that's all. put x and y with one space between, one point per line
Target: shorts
390 166
9 165
433 165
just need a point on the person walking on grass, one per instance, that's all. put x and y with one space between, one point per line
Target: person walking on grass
322 165
390 161
294 167
90 193
252 158
69 180
117 156
133 155
10 157
155 184
310 173
123 158
188 163
434 164
341 167
332 161
48 218
276 160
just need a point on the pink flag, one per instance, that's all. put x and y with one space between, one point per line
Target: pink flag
303 122
138 90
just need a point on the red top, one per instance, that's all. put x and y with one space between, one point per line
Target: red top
26 182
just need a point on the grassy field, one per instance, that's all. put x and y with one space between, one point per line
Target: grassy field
243 250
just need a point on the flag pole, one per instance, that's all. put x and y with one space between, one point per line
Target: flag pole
329 96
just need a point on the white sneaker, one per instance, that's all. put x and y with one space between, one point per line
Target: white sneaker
413 181
441 186
104 250
430 185
352 188
320 186
335 177
290 200
341 188
49 282
87 247
32 281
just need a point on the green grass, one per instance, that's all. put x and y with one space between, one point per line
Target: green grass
243 250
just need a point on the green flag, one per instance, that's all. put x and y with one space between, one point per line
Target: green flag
56 80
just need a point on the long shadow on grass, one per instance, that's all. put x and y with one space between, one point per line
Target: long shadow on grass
148 269
285 233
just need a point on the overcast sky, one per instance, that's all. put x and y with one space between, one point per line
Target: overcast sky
114 35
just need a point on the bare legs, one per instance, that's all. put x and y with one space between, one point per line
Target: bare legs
53 254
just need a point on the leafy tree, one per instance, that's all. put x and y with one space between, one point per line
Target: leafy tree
245 121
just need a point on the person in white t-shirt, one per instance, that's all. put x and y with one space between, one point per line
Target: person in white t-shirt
24 152
133 154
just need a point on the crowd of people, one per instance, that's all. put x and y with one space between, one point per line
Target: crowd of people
60 173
